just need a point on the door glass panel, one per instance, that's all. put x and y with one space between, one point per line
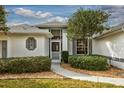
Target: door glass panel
55 51
55 46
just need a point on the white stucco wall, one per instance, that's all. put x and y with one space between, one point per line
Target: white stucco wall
64 40
18 46
67 44
70 46
9 47
112 46
46 46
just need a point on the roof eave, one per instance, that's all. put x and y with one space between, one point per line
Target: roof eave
108 34
49 35
52 26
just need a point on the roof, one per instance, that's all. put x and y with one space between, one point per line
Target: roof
24 29
113 30
27 29
52 24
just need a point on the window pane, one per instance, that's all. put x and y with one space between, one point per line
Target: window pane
55 46
82 46
30 43
56 34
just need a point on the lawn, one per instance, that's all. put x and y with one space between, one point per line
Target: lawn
53 83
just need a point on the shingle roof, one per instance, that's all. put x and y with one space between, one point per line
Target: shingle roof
52 24
111 31
24 29
27 29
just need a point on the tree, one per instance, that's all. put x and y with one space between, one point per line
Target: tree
3 13
85 23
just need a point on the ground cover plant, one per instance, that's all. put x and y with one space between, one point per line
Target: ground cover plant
25 64
88 62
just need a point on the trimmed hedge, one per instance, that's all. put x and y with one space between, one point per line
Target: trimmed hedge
88 62
65 56
25 64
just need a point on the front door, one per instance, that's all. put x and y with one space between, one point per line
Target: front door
55 51
4 49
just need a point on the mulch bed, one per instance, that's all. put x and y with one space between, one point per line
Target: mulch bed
112 72
30 75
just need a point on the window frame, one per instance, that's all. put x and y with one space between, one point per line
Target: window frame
31 43
85 48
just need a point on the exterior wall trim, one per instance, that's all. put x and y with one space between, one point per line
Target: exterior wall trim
114 59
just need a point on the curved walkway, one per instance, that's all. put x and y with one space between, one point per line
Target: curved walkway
70 74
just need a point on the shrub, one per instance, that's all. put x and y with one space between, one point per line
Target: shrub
65 56
88 62
25 64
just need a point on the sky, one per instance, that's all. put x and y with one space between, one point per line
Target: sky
38 14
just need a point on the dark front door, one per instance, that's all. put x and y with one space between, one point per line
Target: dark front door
4 49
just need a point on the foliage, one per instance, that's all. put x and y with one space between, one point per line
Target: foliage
3 13
25 64
53 83
86 23
89 62
65 56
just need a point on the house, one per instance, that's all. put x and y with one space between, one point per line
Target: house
24 40
111 44
50 39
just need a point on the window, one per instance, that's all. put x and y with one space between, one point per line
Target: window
81 46
56 34
30 43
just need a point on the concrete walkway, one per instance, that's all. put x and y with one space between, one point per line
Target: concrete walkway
70 74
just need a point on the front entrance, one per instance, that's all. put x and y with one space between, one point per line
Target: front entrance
55 44
56 51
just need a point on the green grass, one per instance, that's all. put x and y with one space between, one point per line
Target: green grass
53 83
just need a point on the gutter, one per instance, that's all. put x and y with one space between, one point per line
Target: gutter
49 35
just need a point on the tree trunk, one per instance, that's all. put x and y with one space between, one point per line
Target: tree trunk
90 46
